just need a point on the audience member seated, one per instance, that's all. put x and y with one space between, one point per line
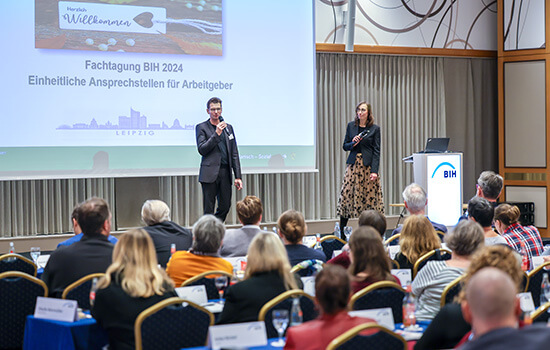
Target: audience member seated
482 211
492 308
369 261
267 275
367 218
132 284
332 293
292 229
156 215
92 254
516 235
78 231
489 186
203 256
417 238
430 281
439 335
236 241
415 200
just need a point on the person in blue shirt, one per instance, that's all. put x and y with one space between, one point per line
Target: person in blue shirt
78 231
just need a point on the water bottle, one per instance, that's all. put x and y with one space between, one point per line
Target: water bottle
524 257
337 229
296 316
172 249
318 242
544 290
93 289
12 248
409 308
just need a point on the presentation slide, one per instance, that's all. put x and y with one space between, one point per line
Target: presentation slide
111 88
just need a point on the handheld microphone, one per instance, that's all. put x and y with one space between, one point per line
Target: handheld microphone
363 133
221 120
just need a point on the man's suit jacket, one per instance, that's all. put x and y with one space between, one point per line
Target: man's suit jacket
369 146
207 144
236 241
164 234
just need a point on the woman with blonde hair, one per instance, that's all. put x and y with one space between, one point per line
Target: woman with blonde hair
417 238
267 275
132 283
292 229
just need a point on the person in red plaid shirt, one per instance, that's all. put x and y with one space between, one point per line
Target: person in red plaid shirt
516 235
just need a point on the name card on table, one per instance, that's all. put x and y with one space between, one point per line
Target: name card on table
383 316
309 285
335 253
404 276
195 294
56 309
393 250
237 335
42 261
238 262
537 261
526 302
309 241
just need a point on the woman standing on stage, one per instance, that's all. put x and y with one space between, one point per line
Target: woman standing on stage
361 188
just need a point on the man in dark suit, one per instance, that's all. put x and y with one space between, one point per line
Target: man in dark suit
218 147
92 254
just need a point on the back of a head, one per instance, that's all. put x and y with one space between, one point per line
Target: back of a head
208 233
92 215
466 238
491 184
332 289
249 210
415 196
491 295
292 226
481 210
368 253
375 219
507 214
418 237
74 218
154 211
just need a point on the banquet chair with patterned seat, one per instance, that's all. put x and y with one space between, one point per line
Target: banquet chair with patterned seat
451 291
376 337
284 301
18 293
392 240
208 279
436 254
534 280
379 295
173 323
541 315
330 243
80 290
16 262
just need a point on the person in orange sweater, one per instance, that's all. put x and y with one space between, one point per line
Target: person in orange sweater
203 256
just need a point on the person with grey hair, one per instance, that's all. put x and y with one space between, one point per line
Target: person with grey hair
208 233
156 215
430 281
493 310
489 185
415 200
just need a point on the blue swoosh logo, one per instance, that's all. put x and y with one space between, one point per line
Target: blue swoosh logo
440 165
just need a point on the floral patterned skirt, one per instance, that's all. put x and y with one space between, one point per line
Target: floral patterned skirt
358 193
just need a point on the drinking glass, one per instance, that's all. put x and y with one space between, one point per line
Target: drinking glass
221 283
35 253
280 322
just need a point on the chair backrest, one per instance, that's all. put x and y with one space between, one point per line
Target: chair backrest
284 301
534 280
382 338
440 234
393 239
208 280
16 262
18 292
171 325
330 243
80 290
378 295
451 291
541 313
436 254
307 267
395 264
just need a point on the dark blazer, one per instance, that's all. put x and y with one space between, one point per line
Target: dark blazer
164 234
369 146
92 254
207 144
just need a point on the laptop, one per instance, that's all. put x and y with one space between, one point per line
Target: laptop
436 145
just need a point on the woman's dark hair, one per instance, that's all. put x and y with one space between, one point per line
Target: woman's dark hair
370 118
332 289
292 226
369 255
375 219
507 214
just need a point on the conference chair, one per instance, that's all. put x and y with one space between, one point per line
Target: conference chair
451 291
395 264
379 295
208 280
541 315
436 254
534 280
441 235
330 243
284 301
394 239
16 262
18 293
80 290
376 337
307 267
173 323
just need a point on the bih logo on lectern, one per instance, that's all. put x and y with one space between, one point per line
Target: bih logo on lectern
446 173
